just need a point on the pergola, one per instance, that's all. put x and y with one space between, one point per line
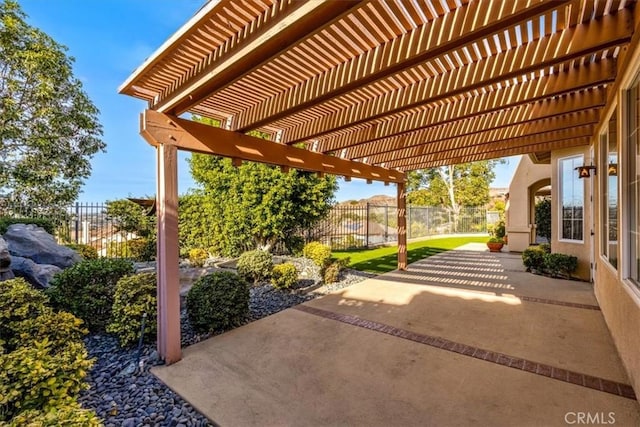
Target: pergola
372 89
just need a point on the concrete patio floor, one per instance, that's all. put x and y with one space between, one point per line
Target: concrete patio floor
465 337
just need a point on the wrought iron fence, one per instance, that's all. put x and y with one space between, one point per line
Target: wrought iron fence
346 227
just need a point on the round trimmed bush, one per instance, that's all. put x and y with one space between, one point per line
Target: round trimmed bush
197 257
218 301
317 252
284 276
134 296
85 251
533 258
87 289
255 265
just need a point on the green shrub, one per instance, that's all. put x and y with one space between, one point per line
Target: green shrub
543 219
331 273
545 247
87 289
533 258
284 276
217 301
197 257
499 229
142 249
59 328
118 250
37 378
294 245
69 413
317 252
18 302
255 265
6 221
560 264
134 296
85 251
495 240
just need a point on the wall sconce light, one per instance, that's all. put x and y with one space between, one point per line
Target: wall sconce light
585 171
613 169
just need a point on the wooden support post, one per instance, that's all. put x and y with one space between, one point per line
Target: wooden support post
402 227
167 257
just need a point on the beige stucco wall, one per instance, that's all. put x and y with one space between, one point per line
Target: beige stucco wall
519 219
582 250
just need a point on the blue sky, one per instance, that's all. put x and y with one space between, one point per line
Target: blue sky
108 40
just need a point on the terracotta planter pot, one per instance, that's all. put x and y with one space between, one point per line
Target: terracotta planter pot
495 247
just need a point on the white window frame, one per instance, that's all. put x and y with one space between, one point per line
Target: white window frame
560 190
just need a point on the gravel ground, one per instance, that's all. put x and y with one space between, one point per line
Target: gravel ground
124 393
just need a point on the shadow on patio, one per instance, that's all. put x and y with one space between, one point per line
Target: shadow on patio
462 338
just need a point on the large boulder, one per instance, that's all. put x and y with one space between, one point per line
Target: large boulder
33 242
39 275
5 261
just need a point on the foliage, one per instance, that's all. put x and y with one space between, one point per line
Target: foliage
134 296
349 241
556 264
37 378
142 248
546 247
6 221
85 251
543 219
319 253
251 206
18 302
59 328
284 276
49 129
197 256
130 217
218 301
495 240
68 413
533 258
87 289
499 229
255 265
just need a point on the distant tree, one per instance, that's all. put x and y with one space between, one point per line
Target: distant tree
49 128
130 217
543 219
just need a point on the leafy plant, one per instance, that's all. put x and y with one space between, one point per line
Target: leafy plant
58 328
331 273
87 289
317 252
18 302
499 229
134 296
6 221
533 258
545 247
142 249
198 256
68 413
284 276
495 240
118 250
557 264
255 265
85 251
218 301
543 219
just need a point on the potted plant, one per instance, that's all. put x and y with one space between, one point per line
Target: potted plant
495 244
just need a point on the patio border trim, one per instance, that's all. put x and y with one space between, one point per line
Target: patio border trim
572 377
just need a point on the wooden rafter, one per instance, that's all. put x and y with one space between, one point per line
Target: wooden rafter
159 128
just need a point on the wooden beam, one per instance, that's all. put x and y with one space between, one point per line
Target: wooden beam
168 274
301 19
466 24
532 57
530 149
402 226
197 137
513 144
442 114
447 137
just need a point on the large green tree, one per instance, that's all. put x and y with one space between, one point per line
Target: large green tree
250 206
49 128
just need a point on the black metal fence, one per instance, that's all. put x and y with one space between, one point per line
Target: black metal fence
346 227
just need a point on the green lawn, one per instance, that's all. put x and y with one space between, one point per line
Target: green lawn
385 259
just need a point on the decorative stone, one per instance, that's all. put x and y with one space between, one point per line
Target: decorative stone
5 261
33 242
39 275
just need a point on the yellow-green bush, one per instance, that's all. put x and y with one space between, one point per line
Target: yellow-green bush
284 276
255 265
135 295
197 257
69 413
18 302
59 328
331 273
142 249
118 250
317 252
85 251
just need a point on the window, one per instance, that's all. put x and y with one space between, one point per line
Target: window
571 199
633 175
609 185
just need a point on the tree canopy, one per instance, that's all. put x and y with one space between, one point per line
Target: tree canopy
455 186
49 128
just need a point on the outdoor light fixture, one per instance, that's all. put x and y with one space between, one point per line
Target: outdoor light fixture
585 171
613 169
